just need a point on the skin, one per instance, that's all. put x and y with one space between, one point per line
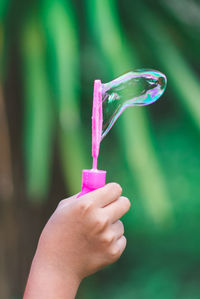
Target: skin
82 236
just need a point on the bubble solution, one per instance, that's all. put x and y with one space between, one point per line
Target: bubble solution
137 88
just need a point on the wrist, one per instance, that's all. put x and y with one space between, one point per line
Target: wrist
50 280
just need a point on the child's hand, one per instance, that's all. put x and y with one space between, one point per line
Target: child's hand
84 234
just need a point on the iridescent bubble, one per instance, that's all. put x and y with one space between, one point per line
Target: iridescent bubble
137 88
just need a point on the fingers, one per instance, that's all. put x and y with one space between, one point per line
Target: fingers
117 229
121 244
117 249
105 195
117 209
114 240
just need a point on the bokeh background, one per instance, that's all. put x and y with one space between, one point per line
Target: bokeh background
51 51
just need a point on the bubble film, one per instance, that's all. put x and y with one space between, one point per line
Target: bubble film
137 88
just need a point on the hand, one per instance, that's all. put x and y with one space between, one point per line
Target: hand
84 234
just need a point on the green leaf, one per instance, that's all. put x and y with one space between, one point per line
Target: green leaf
39 117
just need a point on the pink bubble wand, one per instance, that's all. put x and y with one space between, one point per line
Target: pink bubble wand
137 88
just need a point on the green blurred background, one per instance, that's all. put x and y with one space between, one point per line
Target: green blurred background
51 51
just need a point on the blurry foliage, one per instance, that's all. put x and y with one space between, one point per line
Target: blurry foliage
152 151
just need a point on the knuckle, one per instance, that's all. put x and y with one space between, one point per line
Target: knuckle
61 202
115 253
115 187
107 239
84 206
101 222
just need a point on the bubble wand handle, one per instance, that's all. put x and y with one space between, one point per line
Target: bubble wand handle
93 179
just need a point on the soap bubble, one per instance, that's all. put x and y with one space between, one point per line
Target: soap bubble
137 88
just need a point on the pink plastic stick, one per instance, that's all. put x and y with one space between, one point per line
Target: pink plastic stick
93 179
96 121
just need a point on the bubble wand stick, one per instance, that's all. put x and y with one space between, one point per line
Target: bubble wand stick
93 179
